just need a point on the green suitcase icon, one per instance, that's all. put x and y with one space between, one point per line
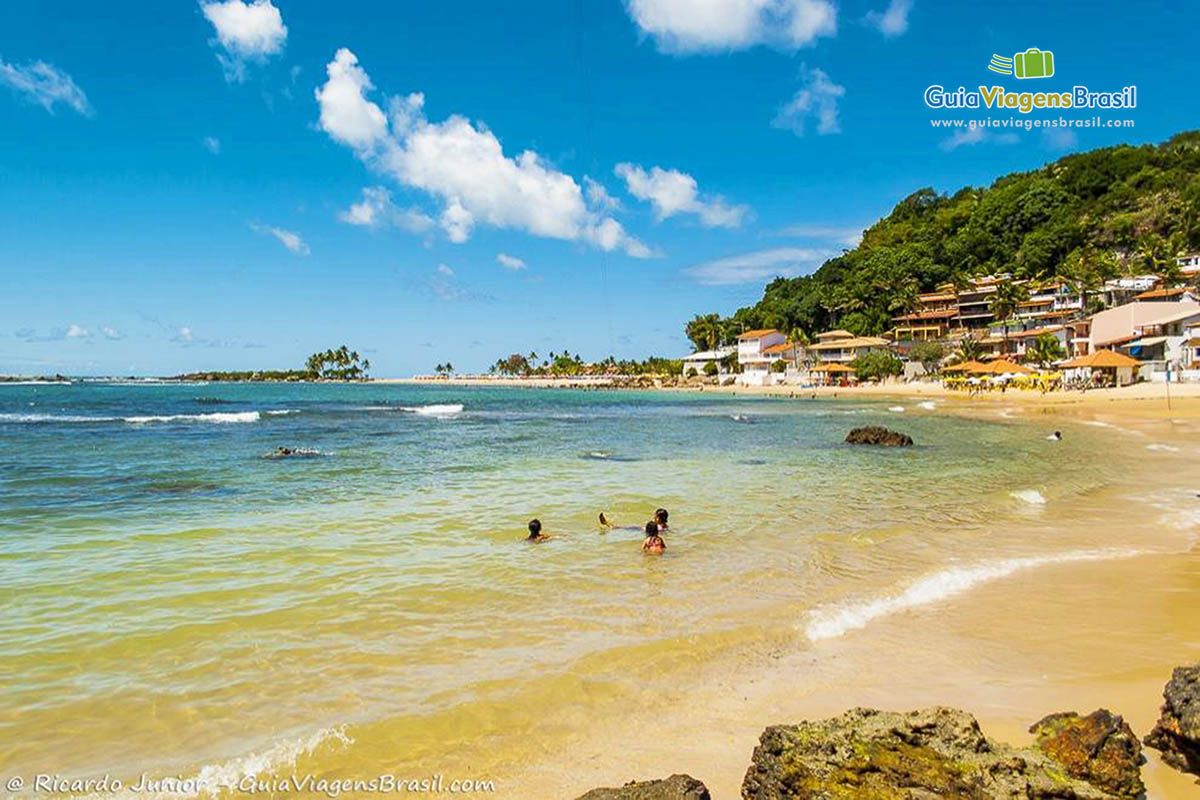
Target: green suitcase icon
1033 63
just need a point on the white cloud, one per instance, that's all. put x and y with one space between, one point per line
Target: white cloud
893 20
461 164
672 192
247 32
757 266
818 98
685 26
76 332
976 135
598 197
289 239
445 270
184 334
376 210
45 85
848 236
212 144
110 333
1059 138
511 263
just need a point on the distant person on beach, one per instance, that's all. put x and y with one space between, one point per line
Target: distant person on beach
653 543
535 532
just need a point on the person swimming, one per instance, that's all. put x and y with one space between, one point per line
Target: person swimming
535 532
653 543
660 519
1055 437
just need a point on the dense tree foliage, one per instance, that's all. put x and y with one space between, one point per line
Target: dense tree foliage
1084 218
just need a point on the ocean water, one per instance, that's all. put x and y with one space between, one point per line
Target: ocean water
178 602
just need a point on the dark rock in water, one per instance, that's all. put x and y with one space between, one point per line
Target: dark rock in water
1099 748
676 787
1177 732
876 435
878 755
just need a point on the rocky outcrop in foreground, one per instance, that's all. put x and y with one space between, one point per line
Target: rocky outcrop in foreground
676 787
1177 732
1099 748
936 752
876 435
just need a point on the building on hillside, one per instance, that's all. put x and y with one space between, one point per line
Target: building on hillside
1189 264
975 302
700 361
1120 291
752 358
1177 294
1118 326
934 318
841 347
1079 337
1022 340
1163 340
1191 345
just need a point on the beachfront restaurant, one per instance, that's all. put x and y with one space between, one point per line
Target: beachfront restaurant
833 374
1115 368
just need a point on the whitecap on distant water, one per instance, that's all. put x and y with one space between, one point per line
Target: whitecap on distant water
1031 496
896 408
435 410
225 417
929 405
1165 448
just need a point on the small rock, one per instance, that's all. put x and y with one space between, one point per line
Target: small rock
876 435
676 787
1099 748
1177 732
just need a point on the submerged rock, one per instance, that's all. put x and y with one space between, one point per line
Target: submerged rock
1099 748
676 787
1177 732
876 435
878 755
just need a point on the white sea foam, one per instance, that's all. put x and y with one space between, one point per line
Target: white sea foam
896 408
1097 423
34 418
221 417
283 412
1165 448
830 623
436 410
928 405
216 780
1031 496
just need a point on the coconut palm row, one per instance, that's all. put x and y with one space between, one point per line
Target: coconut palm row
340 364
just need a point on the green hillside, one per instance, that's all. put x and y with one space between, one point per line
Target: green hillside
1084 218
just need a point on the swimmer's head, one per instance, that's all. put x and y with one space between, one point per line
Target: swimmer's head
660 516
652 528
535 528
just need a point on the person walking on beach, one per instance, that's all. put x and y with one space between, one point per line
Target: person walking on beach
653 543
535 532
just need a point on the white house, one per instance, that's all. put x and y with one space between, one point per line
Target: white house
1163 340
753 358
699 361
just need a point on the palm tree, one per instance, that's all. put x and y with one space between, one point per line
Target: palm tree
1160 255
968 350
1005 302
1045 350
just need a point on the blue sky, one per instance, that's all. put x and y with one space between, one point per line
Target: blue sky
236 184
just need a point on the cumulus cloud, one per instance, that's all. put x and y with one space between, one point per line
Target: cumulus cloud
77 332
688 26
184 335
976 135
289 239
246 31
110 333
672 192
45 85
893 20
817 98
376 210
511 263
460 164
1059 138
212 144
757 266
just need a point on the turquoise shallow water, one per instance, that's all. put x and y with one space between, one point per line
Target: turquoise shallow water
176 600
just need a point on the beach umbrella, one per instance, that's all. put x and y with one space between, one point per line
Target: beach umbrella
1102 359
965 366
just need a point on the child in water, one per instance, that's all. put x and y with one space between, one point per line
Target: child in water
660 519
653 543
535 532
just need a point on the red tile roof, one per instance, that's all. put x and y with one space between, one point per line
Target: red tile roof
757 334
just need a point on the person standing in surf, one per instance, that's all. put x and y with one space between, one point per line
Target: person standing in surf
653 543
